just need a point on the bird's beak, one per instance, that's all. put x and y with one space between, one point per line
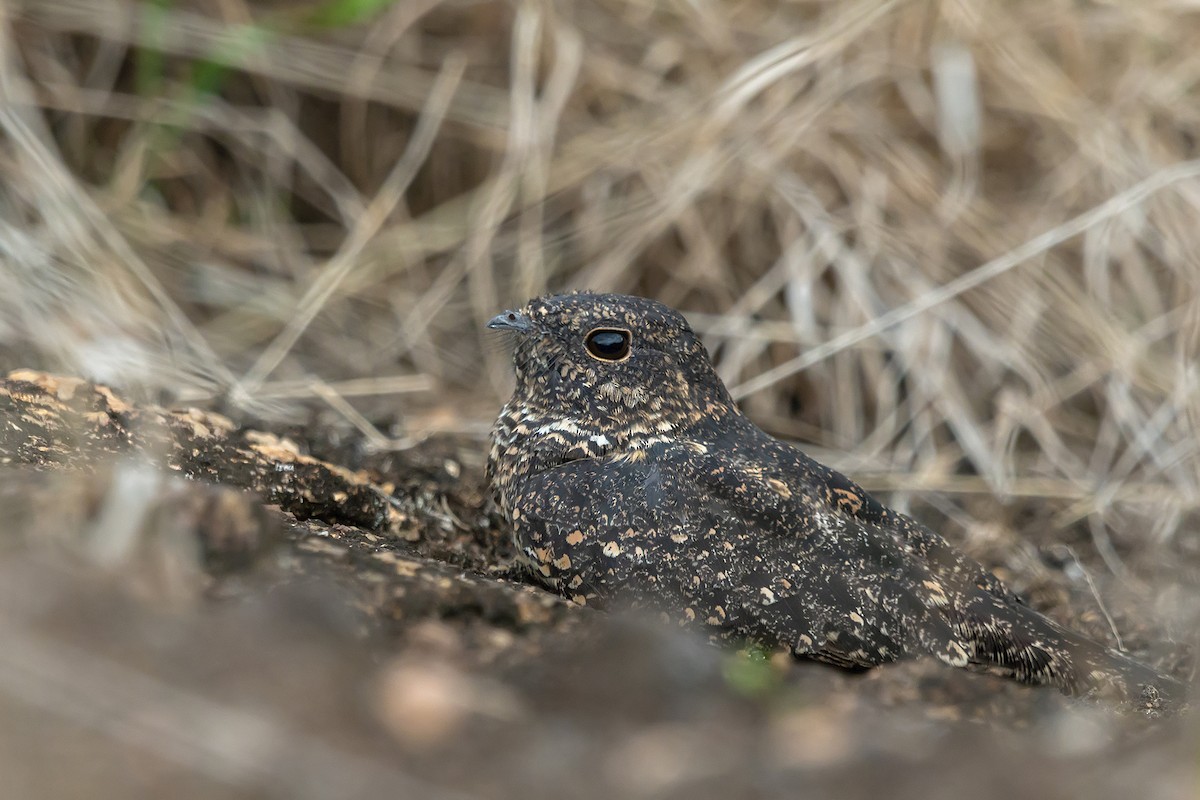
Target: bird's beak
510 321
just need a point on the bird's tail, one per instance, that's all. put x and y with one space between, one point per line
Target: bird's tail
1013 639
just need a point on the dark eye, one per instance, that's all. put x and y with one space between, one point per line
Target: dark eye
608 344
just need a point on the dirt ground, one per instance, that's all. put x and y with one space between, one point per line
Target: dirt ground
169 635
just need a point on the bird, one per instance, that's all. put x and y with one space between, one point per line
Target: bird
630 477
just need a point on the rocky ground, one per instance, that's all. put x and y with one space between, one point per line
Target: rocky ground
199 609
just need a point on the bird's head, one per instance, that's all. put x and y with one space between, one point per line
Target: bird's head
614 364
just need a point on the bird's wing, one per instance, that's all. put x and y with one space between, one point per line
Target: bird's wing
732 545
679 528
996 629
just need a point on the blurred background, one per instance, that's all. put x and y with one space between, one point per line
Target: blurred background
950 247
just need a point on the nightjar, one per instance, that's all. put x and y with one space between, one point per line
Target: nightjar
630 476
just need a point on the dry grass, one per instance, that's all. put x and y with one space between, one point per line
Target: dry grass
956 239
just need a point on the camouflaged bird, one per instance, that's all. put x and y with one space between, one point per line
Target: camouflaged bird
630 476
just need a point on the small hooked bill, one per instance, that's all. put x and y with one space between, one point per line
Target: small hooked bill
510 321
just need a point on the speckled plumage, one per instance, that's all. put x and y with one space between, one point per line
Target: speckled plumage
639 481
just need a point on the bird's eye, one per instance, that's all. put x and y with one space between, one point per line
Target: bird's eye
608 344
